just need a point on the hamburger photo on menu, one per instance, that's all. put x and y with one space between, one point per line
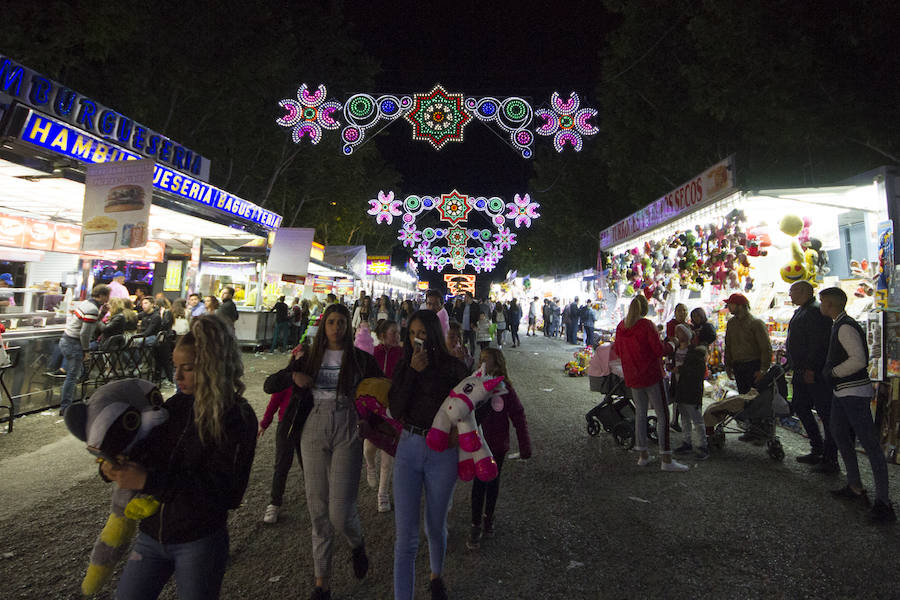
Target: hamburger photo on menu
123 198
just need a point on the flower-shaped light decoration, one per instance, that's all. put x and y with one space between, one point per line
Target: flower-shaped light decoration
385 208
438 117
430 262
454 207
522 210
565 122
504 239
410 236
309 114
420 252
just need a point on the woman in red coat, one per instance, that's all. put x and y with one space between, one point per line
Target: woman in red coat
641 351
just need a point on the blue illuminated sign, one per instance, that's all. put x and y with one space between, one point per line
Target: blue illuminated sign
39 92
52 135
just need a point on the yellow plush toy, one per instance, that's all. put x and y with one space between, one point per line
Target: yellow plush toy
112 421
802 266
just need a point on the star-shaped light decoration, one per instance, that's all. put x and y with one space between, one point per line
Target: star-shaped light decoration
438 117
309 114
504 238
522 210
385 208
454 207
565 122
457 236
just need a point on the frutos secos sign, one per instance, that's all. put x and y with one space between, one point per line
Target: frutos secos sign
711 185
33 89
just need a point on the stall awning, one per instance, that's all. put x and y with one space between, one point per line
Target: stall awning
317 267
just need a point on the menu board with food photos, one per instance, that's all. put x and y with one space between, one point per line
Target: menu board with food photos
117 205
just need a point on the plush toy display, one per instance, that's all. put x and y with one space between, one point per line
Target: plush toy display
803 263
114 418
458 409
375 421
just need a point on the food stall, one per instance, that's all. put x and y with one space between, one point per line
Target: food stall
45 148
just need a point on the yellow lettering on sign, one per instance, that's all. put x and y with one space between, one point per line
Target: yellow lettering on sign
83 147
100 153
62 140
37 129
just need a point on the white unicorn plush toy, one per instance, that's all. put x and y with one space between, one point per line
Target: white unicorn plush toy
458 410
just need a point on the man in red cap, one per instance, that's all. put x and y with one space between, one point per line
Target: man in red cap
748 350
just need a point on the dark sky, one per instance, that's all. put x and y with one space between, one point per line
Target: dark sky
524 49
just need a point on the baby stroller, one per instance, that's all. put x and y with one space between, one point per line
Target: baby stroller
615 413
754 414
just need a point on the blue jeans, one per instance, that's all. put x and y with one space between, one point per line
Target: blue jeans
73 357
853 412
199 567
416 465
280 337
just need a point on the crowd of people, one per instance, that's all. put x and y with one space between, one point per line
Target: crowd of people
202 454
825 348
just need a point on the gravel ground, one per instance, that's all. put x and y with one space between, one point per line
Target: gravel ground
578 520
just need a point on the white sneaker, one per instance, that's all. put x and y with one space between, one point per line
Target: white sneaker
371 477
271 515
384 505
643 462
674 466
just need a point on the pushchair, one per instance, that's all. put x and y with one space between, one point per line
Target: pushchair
615 413
753 413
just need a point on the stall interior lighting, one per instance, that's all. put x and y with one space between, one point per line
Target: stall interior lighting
30 193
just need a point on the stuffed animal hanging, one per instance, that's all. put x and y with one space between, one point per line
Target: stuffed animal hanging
112 421
475 458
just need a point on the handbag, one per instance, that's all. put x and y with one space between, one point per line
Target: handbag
374 423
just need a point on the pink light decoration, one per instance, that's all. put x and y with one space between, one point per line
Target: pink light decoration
309 114
409 236
522 210
565 122
504 239
385 208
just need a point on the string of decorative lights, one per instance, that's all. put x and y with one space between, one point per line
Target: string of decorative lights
439 117
438 247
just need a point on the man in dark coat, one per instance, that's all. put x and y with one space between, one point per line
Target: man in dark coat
807 345
572 327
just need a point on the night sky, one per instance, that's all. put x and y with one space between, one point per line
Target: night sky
526 49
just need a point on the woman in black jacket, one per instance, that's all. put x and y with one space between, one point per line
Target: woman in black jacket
114 326
322 407
422 379
197 465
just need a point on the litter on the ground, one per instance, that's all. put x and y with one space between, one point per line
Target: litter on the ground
512 455
574 564
546 389
636 499
8 554
275 579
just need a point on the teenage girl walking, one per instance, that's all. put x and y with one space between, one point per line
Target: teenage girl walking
422 379
329 444
495 427
200 457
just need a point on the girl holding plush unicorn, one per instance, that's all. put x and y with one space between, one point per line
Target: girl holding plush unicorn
495 428
422 380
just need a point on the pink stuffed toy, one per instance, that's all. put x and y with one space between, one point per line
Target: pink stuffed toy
458 409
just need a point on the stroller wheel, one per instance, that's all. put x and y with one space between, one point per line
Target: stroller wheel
623 434
775 450
593 427
652 433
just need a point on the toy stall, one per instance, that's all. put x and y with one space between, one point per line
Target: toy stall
697 248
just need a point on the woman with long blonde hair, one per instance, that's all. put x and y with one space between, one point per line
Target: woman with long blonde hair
641 351
196 464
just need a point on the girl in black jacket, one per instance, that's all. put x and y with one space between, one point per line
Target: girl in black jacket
197 465
325 381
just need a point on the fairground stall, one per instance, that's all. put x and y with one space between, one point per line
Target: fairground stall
707 239
50 135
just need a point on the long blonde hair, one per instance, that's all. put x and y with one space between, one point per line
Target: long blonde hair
636 310
218 369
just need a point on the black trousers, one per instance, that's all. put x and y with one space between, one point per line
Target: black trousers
485 493
743 375
469 338
816 395
285 447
